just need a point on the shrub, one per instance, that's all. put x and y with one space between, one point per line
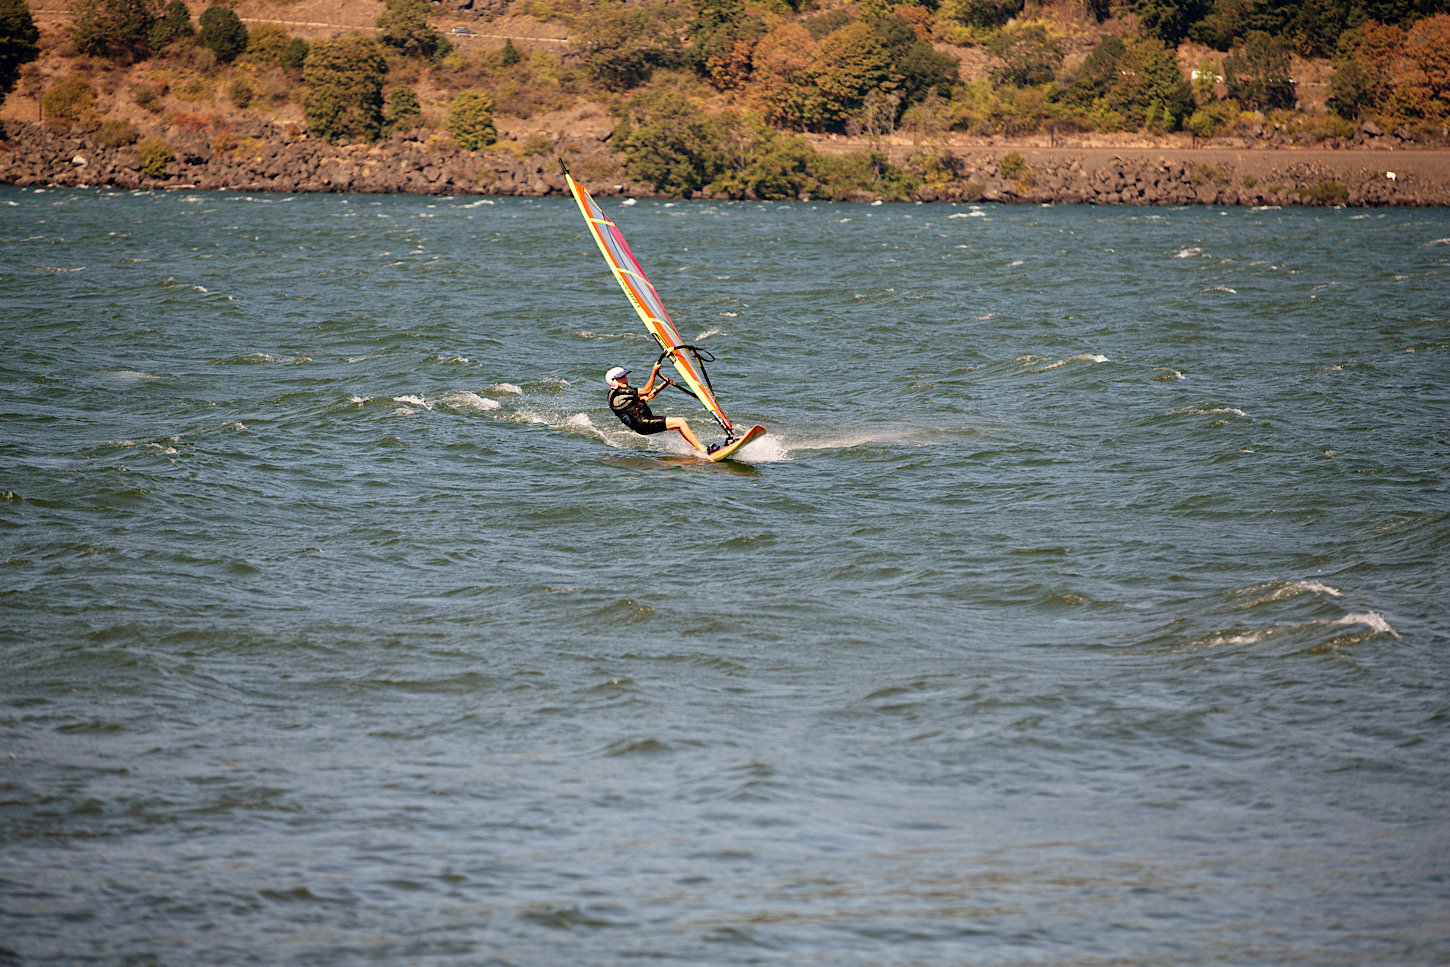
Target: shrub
403 112
222 33
1203 124
294 55
69 99
192 88
155 156
148 98
116 134
470 120
1324 193
344 78
240 93
1013 165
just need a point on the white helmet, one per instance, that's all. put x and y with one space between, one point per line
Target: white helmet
615 374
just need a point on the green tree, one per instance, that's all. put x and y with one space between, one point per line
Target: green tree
174 25
403 112
917 66
1095 76
1169 20
1026 55
344 79
404 26
1149 79
120 29
848 65
780 166
18 36
723 54
1258 74
676 146
1352 85
222 32
620 45
510 54
470 120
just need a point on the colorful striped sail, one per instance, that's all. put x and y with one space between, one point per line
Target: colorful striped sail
645 299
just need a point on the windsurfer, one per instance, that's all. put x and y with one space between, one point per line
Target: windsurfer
632 405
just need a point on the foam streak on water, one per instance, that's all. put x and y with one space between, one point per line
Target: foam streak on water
1084 603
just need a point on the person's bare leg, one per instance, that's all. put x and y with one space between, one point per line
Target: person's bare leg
678 423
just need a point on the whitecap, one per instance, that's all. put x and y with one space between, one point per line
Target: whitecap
1013 265
1188 253
877 203
159 447
413 401
1222 288
137 375
467 402
711 332
1314 587
1081 357
630 201
1370 619
730 315
1165 373
476 204
505 388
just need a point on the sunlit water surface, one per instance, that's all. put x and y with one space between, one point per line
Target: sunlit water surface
1085 603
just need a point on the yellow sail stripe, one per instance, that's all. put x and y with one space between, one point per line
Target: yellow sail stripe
643 296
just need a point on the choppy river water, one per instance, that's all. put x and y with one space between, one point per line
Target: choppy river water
1084 605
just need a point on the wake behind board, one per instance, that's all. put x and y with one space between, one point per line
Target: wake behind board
728 450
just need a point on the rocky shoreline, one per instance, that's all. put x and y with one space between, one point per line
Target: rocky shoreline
262 157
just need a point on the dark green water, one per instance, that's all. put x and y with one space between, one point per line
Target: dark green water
1085 604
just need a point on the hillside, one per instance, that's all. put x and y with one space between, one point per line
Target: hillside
652 101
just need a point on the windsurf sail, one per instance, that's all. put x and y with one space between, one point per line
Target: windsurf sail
646 302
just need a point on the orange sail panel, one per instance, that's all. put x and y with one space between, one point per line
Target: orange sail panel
643 296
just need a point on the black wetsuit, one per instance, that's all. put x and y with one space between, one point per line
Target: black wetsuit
634 412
